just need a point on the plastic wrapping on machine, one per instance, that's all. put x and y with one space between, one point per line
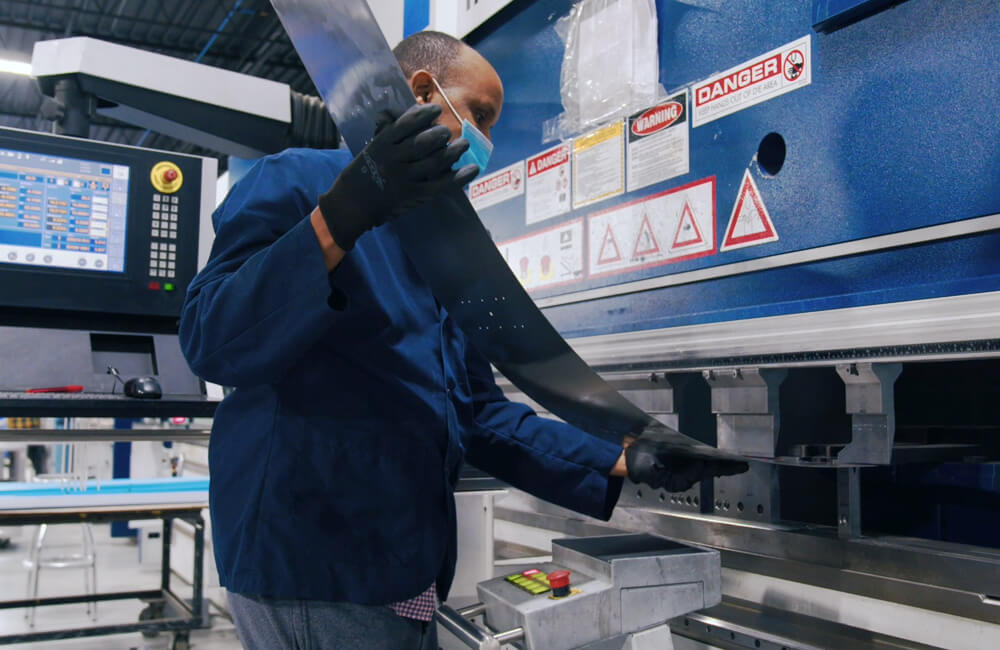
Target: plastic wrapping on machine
610 67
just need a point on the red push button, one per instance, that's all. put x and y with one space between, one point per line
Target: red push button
559 581
154 286
170 176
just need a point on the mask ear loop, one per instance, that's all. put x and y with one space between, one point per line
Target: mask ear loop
446 100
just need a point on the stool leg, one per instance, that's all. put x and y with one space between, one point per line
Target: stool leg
91 584
36 553
32 567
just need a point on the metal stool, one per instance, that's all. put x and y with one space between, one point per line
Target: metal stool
70 463
86 559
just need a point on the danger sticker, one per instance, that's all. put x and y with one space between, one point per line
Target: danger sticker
547 258
658 143
497 187
547 189
778 72
664 228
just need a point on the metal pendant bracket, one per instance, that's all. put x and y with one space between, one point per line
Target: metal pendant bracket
745 401
869 401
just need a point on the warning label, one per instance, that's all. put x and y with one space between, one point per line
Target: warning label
599 165
658 143
749 224
547 187
498 186
758 80
671 226
547 258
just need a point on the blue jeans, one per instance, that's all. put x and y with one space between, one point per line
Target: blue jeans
266 624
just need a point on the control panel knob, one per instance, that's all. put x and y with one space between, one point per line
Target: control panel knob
559 581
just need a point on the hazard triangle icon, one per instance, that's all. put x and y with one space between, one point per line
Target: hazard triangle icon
645 243
609 252
750 224
688 234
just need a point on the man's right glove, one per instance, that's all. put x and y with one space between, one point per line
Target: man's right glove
662 466
407 162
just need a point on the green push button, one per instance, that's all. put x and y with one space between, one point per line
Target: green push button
169 286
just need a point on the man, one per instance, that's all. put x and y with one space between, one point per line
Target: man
357 397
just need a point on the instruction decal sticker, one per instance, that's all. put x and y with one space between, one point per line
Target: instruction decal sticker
599 165
547 258
768 76
547 187
499 186
750 223
663 228
658 143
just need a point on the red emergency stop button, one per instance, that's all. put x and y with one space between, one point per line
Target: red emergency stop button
166 177
559 581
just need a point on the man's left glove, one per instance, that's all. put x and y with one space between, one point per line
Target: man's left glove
665 467
407 162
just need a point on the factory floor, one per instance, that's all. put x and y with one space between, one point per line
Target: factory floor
118 569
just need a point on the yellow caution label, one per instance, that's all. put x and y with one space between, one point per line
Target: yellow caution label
166 177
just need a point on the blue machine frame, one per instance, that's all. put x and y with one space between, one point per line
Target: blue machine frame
889 192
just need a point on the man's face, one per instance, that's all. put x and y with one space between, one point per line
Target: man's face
474 89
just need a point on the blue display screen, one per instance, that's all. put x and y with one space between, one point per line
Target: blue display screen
62 212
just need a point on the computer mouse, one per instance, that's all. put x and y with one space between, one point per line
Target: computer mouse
143 388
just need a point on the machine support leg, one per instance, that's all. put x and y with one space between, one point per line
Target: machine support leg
165 564
848 502
199 561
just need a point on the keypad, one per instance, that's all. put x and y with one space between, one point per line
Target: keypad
163 236
533 581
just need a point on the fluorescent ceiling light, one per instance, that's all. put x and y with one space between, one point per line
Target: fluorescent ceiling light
16 67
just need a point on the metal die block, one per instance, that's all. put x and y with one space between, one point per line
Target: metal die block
753 435
753 496
697 499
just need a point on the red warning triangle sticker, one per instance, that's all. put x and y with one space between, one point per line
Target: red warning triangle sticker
750 224
688 233
645 242
609 248
531 167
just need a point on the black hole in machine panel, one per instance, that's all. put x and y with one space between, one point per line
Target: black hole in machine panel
133 356
771 153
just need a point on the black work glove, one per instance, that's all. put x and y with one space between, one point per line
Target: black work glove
407 162
662 466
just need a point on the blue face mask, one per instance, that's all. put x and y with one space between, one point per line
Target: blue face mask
480 148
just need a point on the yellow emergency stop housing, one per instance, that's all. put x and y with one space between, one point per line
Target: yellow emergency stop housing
166 177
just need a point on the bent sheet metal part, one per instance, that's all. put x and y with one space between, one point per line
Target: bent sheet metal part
346 55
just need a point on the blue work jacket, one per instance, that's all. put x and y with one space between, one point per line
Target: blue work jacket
334 461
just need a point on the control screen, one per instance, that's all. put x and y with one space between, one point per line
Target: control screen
62 212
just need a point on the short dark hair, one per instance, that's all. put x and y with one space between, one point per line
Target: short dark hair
432 51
